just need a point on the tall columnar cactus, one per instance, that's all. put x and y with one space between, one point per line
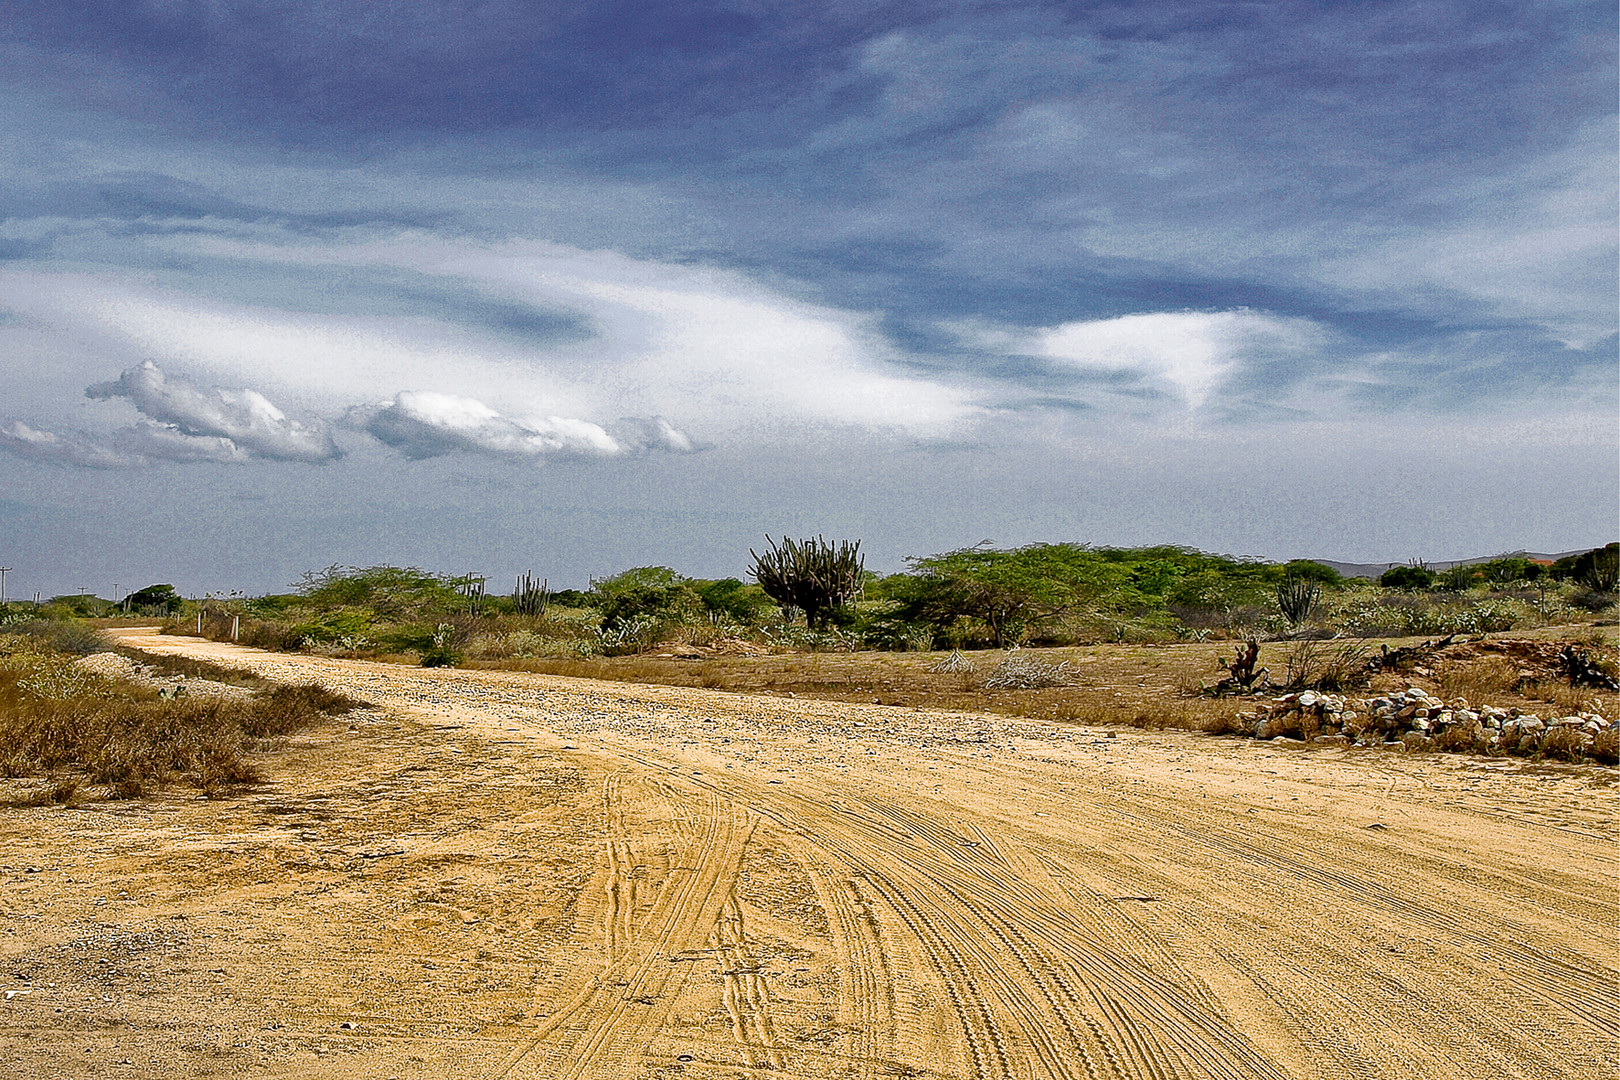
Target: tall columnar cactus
529 598
810 574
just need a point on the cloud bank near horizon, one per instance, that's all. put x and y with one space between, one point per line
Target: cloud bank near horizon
183 424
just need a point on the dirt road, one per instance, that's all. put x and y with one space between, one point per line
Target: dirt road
503 875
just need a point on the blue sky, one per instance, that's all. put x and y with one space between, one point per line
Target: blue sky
578 286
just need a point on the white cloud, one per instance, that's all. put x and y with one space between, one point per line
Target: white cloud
714 351
645 433
81 450
424 424
165 442
245 418
1190 352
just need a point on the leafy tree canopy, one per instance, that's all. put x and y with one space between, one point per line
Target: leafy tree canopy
735 600
160 597
645 591
390 591
1407 577
1312 571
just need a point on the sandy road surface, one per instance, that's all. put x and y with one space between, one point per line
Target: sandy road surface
504 875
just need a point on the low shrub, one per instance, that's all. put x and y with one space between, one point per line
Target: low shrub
61 635
1592 600
273 634
804 639
1606 747
1414 615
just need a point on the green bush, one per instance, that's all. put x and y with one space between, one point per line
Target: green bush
747 605
645 595
154 600
386 593
1313 571
1596 570
1407 577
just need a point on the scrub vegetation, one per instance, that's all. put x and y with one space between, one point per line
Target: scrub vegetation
1139 636
76 730
813 596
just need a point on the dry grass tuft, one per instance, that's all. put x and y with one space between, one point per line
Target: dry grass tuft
1483 680
1606 747
79 728
1567 700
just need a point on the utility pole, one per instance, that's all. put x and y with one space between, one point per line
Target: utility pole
4 570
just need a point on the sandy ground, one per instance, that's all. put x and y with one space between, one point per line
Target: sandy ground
508 875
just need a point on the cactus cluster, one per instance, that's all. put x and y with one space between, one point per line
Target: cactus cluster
529 598
812 575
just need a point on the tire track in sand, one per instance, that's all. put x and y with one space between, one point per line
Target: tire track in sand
1036 995
745 995
618 1012
1046 981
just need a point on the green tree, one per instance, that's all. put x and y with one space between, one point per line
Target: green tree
389 592
1407 577
1508 570
1313 571
154 600
645 592
1599 569
735 600
1008 591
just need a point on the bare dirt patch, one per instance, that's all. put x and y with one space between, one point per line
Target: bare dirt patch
503 874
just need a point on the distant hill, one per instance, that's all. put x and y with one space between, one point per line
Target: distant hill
1374 570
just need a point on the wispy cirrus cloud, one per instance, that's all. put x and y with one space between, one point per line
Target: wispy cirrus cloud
75 448
1183 355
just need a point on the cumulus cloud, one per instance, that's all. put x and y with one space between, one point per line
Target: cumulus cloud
1189 352
164 442
75 449
244 418
423 424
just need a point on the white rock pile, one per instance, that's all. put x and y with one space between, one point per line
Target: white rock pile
1413 719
